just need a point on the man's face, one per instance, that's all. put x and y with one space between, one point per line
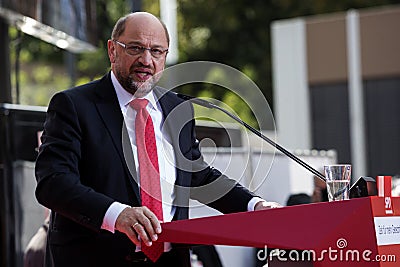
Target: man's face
137 73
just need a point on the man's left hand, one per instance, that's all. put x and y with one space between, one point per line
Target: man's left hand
264 205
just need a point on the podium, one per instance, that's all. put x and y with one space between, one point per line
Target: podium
355 232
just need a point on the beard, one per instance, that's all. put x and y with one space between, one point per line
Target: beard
136 88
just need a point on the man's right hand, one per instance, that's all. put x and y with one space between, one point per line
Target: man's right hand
139 224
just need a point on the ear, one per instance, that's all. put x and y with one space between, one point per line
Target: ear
111 51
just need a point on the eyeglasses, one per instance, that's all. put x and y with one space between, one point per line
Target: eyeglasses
134 50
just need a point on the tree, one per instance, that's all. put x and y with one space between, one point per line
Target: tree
236 33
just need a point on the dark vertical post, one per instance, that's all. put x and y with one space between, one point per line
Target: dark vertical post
3 195
5 81
7 229
136 5
6 242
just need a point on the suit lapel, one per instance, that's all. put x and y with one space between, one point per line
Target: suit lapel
176 115
110 112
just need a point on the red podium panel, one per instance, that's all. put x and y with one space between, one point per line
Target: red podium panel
356 232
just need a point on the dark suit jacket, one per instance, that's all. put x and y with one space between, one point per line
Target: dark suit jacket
81 169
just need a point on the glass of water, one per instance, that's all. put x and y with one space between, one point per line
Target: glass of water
338 179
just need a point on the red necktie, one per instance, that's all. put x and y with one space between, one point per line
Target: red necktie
150 189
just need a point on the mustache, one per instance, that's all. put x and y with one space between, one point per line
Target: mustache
141 65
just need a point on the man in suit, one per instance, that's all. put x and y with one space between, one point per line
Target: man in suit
88 171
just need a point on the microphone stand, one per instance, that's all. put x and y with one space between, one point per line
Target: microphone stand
210 105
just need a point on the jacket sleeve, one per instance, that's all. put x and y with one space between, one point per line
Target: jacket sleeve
59 185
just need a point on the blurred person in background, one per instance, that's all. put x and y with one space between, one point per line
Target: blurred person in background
320 192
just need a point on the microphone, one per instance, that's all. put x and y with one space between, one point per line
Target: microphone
210 105
197 101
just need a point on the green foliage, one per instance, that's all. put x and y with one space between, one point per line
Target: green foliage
230 102
93 64
152 6
235 33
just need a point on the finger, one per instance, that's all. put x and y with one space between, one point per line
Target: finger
266 205
150 223
274 205
133 236
142 234
153 220
146 231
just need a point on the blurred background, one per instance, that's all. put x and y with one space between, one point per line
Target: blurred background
330 71
234 33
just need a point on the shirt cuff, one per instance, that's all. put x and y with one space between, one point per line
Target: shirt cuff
252 203
111 216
